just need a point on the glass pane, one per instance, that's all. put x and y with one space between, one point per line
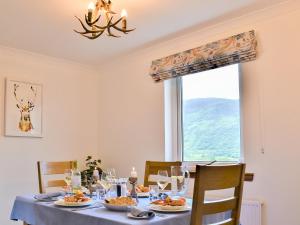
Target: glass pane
211 115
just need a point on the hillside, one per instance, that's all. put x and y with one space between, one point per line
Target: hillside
211 129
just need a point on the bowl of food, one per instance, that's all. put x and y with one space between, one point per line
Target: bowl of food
74 200
119 203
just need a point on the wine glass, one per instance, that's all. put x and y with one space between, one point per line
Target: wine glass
105 181
68 179
111 176
111 172
162 181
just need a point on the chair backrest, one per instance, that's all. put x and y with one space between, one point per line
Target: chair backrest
52 168
152 167
217 178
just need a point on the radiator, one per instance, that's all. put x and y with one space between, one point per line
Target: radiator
251 213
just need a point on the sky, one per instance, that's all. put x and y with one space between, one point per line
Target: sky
218 83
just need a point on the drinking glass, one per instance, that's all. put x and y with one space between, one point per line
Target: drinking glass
68 179
123 183
179 180
163 180
100 193
76 180
111 172
153 192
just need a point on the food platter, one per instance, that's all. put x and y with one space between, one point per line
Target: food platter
76 200
159 208
63 203
142 191
170 205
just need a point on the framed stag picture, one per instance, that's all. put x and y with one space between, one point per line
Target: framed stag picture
23 109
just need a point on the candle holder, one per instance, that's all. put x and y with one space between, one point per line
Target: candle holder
133 182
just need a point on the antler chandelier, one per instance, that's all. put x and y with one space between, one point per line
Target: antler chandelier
93 28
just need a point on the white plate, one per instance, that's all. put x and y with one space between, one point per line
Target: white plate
159 208
129 215
61 202
116 207
52 199
143 194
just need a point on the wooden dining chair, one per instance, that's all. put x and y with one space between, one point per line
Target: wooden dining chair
152 167
217 178
52 168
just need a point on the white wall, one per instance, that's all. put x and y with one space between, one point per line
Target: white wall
131 115
70 121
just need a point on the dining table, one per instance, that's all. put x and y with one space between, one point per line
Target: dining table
26 208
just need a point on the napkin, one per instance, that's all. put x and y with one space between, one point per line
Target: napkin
48 196
138 212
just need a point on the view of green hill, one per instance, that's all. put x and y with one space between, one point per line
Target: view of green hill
211 129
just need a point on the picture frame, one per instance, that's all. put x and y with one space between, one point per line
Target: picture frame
23 109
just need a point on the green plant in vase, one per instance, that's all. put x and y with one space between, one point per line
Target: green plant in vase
87 174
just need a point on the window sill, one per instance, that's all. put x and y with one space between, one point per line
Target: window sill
249 177
192 165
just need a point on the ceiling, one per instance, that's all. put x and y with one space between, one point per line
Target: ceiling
46 27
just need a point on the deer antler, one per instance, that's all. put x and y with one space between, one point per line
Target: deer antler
20 101
21 104
31 103
97 30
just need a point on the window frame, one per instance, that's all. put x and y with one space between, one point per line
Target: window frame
173 122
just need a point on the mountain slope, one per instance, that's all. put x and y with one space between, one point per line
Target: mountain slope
211 129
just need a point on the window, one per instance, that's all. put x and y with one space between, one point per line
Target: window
208 116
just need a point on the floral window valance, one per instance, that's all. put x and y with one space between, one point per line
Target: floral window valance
236 49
